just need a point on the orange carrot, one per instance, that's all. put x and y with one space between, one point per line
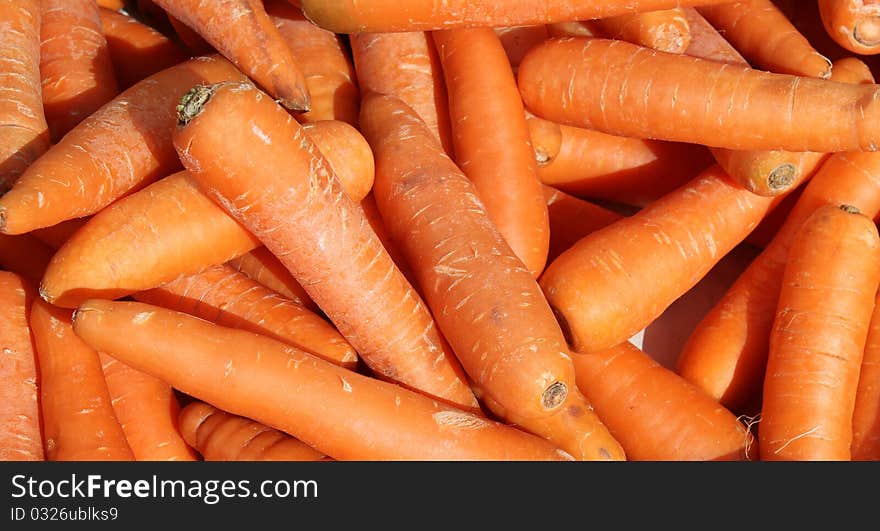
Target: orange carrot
24 135
545 137
866 411
243 33
119 148
617 280
852 24
575 28
285 193
666 30
20 438
818 337
146 408
572 218
654 413
340 413
221 436
517 40
56 235
405 65
575 81
485 301
347 152
25 255
191 40
767 229
726 353
325 62
76 72
222 295
374 217
353 16
78 419
264 267
111 4
491 139
763 34
136 49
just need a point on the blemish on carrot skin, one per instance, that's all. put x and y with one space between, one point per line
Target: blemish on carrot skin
142 317
458 419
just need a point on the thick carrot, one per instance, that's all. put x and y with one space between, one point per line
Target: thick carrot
726 353
78 419
76 72
227 297
666 30
353 16
405 65
264 267
485 301
572 218
762 33
866 411
575 81
20 438
24 135
285 193
852 24
25 255
119 148
325 61
818 337
243 33
617 280
177 229
491 139
656 414
146 408
136 49
221 436
340 413
517 40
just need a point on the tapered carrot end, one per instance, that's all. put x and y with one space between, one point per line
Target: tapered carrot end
299 101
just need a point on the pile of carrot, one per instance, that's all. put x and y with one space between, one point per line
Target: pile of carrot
324 230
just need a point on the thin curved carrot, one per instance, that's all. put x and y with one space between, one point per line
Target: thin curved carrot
666 30
25 255
264 267
572 218
21 438
852 24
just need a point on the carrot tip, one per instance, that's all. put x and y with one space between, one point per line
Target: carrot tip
781 177
192 103
46 296
554 395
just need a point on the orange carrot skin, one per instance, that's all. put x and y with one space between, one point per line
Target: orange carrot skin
24 134
546 138
242 31
220 436
283 190
785 117
123 146
136 50
852 24
25 255
222 295
146 408
491 139
78 419
657 415
666 30
866 411
615 281
325 62
818 337
517 40
20 439
347 152
76 71
572 218
340 413
264 267
194 43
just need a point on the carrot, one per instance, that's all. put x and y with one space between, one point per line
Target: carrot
764 35
78 419
285 193
20 439
374 217
491 139
726 353
243 33
654 413
136 49
572 218
76 72
767 229
114 5
222 295
405 65
617 280
146 408
25 255
485 301
24 134
119 148
177 229
264 267
666 30
545 137
353 16
575 28
340 413
325 62
731 106
852 24
191 40
517 40
818 337
56 235
221 436
866 410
